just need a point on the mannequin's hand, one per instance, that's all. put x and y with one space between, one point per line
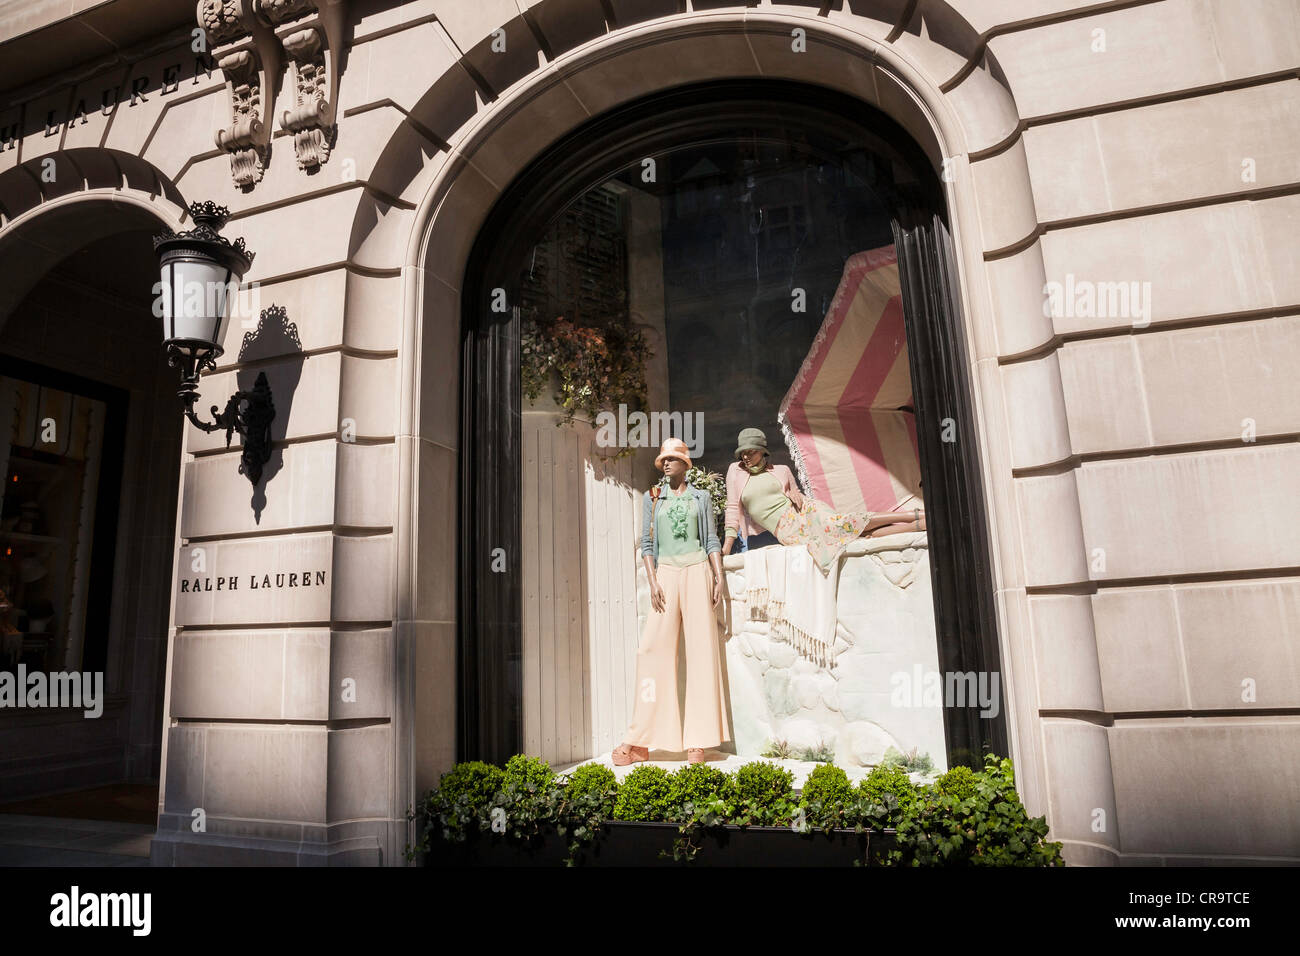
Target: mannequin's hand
717 589
658 600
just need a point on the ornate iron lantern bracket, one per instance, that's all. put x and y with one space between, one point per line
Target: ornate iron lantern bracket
252 421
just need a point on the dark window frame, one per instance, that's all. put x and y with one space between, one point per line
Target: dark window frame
489 604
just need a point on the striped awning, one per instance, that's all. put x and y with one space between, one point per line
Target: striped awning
847 419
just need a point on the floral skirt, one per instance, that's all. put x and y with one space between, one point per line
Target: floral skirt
826 532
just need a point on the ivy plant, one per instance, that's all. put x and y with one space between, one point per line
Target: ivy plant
587 799
989 827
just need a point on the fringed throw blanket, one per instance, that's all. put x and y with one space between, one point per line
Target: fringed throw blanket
786 588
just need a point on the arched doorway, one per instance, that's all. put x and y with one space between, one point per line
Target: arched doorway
92 447
887 195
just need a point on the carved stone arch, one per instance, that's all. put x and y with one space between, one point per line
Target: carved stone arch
23 188
921 63
109 192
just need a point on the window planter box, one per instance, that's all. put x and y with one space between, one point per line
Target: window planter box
622 843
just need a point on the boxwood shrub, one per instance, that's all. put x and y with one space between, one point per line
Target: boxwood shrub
764 795
529 773
827 798
696 785
462 800
960 782
645 794
592 779
890 791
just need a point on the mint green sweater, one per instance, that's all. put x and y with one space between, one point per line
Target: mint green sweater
678 531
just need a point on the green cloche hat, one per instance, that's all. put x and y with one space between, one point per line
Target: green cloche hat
751 438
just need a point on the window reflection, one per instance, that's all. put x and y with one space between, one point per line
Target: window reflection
47 512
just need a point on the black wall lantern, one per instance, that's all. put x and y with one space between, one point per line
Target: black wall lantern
201 271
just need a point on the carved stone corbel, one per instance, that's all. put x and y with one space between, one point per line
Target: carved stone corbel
311 33
249 59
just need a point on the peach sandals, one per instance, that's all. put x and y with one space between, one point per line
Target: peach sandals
625 754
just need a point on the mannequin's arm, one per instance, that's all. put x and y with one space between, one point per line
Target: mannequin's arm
793 493
656 592
715 562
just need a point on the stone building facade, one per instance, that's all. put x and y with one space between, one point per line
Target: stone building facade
1123 185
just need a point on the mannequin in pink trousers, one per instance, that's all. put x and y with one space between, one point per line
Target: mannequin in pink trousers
683 562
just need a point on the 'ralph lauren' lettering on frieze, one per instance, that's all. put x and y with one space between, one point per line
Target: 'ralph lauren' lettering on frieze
257 581
292 579
140 90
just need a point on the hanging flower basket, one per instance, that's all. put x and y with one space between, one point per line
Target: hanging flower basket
586 368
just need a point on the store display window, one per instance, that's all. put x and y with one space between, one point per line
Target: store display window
719 262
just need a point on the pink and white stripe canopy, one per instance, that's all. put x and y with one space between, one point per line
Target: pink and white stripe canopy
844 418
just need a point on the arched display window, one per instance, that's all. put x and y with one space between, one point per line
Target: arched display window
730 255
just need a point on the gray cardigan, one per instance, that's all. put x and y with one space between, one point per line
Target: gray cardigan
708 527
